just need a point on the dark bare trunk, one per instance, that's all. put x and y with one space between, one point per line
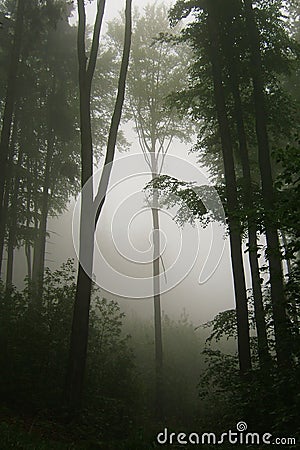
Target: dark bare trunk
10 259
232 202
79 341
79 333
28 241
3 221
28 260
13 222
8 186
10 99
90 210
281 327
263 352
40 245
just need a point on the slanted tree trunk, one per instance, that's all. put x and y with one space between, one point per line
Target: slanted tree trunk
232 202
90 210
281 327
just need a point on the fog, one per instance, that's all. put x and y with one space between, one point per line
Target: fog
124 239
203 250
200 301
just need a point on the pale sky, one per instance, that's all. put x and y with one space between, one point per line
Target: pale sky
113 7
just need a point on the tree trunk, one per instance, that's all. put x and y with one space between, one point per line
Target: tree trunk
281 327
28 240
3 221
159 391
10 98
13 222
80 324
7 187
10 259
232 202
28 260
40 245
263 352
90 210
79 334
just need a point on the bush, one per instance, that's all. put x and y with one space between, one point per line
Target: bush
35 341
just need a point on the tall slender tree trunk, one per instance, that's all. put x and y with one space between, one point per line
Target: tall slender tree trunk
33 187
3 221
263 352
40 245
159 390
232 202
10 259
259 312
10 98
28 241
28 260
281 326
13 221
80 324
90 209
7 186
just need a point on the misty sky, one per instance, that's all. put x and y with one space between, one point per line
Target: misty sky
113 7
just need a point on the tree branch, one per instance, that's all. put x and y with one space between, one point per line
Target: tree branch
115 121
95 41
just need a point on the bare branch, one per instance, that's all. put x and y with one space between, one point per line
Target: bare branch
116 117
95 41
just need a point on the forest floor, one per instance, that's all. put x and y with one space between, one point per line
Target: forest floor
24 432
31 433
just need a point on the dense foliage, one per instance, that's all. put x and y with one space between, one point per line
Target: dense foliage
35 348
